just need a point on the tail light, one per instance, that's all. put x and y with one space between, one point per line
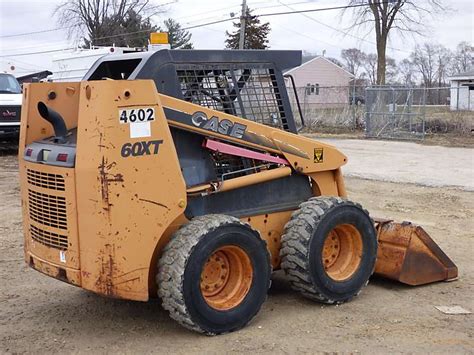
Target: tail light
62 157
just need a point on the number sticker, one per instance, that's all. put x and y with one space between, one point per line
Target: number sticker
133 115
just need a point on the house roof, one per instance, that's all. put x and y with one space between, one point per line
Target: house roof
469 74
317 58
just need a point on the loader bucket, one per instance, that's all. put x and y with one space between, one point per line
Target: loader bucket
407 254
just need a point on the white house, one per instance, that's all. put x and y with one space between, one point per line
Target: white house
462 91
325 83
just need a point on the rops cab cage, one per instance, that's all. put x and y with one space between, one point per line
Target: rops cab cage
248 84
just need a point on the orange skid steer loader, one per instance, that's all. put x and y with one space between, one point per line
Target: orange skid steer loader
181 174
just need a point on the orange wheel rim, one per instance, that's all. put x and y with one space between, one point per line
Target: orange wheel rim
226 278
342 252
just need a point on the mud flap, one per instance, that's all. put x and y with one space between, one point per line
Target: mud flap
407 254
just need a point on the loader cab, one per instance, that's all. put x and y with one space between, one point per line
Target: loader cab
244 83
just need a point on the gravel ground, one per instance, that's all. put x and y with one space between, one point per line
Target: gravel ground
42 315
408 162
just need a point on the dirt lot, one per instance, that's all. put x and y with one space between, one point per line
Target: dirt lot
408 162
40 314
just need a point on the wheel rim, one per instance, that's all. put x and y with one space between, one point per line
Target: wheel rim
226 277
342 252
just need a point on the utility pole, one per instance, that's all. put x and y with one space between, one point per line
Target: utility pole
242 24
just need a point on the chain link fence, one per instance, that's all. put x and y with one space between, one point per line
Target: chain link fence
394 112
411 113
330 107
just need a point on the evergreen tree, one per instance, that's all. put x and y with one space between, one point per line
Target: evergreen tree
178 38
134 23
255 33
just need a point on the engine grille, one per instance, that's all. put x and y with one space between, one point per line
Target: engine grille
48 210
47 238
45 180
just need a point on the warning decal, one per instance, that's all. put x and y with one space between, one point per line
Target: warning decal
318 155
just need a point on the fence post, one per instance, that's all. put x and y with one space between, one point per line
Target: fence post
352 102
457 97
423 116
409 96
468 98
366 113
393 112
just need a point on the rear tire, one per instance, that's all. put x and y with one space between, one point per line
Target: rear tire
329 249
214 274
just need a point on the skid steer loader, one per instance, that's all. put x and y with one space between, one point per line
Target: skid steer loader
181 174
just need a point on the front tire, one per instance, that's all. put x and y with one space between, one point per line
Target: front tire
214 274
329 249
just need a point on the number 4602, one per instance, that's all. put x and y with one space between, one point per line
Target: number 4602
137 115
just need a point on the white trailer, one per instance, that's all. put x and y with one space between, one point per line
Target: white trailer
72 66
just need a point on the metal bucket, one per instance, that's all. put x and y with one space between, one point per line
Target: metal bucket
407 253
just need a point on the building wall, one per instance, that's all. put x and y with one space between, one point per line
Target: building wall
462 98
328 83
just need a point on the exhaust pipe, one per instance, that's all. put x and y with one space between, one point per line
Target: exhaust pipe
56 120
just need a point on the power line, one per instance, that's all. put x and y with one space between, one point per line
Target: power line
229 8
309 37
207 12
206 24
260 15
321 9
338 30
168 3
144 31
36 32
63 28
32 53
43 45
209 23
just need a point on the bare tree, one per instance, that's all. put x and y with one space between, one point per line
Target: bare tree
463 59
385 16
443 61
335 61
432 61
353 59
425 61
406 72
96 18
370 68
390 70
